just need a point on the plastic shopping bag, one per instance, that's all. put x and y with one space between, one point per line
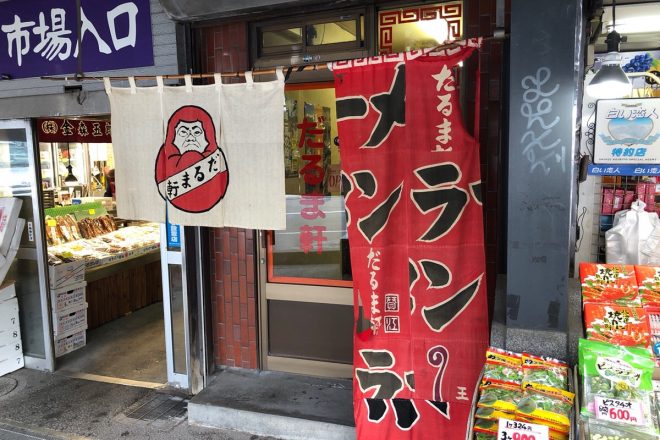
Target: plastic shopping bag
626 241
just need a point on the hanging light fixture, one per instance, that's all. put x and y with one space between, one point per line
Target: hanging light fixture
70 179
611 81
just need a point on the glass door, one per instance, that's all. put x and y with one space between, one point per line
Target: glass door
19 178
306 312
175 306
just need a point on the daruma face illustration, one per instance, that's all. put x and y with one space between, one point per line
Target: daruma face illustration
191 169
190 136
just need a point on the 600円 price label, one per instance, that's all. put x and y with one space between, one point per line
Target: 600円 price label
616 410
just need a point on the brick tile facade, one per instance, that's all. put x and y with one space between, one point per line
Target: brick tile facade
233 252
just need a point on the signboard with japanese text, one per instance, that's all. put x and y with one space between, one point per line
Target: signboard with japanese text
627 131
73 130
40 37
413 194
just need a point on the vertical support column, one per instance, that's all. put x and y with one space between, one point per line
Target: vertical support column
544 95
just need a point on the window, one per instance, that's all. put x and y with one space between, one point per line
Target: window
416 27
314 247
311 36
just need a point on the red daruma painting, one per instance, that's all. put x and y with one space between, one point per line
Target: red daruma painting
191 169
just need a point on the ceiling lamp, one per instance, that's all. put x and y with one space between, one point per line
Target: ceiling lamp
70 179
611 81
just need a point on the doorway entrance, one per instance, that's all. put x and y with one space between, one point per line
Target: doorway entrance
100 297
307 309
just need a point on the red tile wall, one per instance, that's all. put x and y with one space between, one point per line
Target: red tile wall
234 299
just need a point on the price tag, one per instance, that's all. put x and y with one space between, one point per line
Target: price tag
616 410
513 430
92 211
51 223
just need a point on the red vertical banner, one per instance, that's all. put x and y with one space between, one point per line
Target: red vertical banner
410 172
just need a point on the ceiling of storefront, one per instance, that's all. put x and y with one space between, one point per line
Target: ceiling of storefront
638 22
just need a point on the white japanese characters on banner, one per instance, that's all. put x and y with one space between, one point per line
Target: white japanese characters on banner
627 131
209 155
40 37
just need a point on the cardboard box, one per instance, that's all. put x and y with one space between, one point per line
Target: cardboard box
12 363
70 321
9 314
10 336
7 291
70 343
7 259
9 209
66 274
68 298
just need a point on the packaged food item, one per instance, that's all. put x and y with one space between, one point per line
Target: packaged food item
493 414
504 366
615 283
53 236
63 228
73 226
614 374
600 430
485 426
545 371
501 396
619 325
545 403
484 436
648 280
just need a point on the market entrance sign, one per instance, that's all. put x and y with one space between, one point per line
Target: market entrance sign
39 37
627 131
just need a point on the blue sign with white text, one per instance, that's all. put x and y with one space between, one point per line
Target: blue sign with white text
623 170
173 236
40 37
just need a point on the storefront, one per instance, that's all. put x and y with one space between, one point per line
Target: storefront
99 297
282 300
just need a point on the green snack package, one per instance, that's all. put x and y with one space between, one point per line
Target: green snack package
501 396
503 366
620 373
484 436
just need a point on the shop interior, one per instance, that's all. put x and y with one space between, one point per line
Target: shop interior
105 272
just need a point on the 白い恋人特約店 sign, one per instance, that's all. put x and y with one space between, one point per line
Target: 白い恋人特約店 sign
40 37
627 131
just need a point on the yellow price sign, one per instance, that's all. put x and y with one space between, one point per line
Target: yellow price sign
51 223
92 211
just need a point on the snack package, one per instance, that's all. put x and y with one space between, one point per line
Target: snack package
620 373
601 430
485 427
501 396
545 403
648 280
504 366
618 325
556 427
615 283
484 436
545 371
493 414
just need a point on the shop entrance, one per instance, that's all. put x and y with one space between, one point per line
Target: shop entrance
306 311
100 297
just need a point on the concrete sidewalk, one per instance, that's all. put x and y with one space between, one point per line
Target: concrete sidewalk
46 406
